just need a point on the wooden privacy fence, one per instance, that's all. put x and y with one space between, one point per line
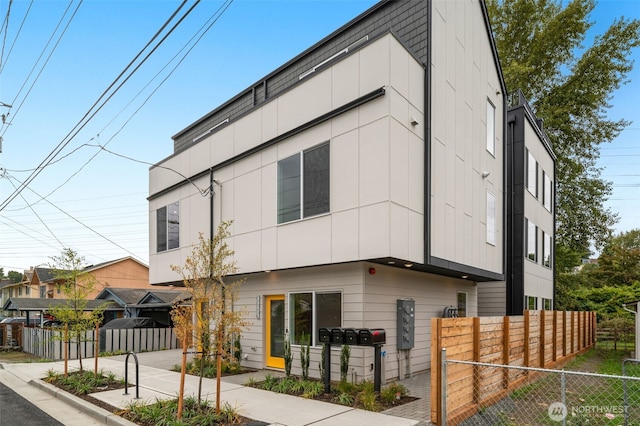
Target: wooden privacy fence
542 339
48 343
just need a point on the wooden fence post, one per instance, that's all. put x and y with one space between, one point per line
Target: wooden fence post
436 382
476 358
542 338
505 351
526 340
554 328
564 334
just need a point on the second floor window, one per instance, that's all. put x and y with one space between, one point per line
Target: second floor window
532 174
547 191
303 184
168 227
491 128
532 241
546 250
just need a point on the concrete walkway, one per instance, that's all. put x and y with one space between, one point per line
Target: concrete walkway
158 382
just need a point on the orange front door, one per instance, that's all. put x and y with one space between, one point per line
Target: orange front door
274 331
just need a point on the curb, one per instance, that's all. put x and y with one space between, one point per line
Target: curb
100 414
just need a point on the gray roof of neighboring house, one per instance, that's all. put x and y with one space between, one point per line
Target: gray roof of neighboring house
125 296
6 283
166 296
44 274
37 304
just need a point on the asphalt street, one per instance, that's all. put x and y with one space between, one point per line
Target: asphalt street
15 410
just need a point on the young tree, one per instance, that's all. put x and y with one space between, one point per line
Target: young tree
75 284
540 47
215 319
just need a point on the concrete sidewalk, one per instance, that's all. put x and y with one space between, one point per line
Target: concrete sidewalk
158 382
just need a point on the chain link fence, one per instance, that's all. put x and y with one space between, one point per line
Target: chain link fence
513 395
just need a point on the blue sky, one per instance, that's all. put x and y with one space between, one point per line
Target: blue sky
97 206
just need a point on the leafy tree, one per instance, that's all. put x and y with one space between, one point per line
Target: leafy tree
604 286
619 262
216 322
540 47
15 276
76 285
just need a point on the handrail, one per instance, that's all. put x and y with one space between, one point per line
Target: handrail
126 375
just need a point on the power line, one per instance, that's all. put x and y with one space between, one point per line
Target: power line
3 60
99 104
5 127
80 223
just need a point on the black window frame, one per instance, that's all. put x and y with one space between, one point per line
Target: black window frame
304 189
168 227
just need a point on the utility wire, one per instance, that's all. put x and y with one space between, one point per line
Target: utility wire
3 60
94 109
39 218
13 102
82 224
203 30
5 26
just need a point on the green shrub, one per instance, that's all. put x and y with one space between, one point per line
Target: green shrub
345 354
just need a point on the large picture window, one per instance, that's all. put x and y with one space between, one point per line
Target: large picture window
168 227
532 241
532 174
303 184
310 311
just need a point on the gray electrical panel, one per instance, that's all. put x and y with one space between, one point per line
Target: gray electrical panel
406 323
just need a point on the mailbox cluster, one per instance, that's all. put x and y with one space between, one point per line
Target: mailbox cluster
352 336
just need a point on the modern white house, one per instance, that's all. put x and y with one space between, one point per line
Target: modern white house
365 175
530 224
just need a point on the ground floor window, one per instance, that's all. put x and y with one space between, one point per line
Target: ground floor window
548 305
313 310
531 303
462 304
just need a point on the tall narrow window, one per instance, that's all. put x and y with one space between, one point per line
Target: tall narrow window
546 250
491 218
532 241
547 191
491 128
532 174
303 184
462 304
168 227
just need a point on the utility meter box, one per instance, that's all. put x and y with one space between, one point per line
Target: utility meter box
406 323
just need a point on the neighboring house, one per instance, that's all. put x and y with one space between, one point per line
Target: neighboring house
364 176
136 302
530 223
122 273
10 289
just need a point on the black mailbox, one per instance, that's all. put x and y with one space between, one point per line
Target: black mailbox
324 335
350 336
337 336
370 337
